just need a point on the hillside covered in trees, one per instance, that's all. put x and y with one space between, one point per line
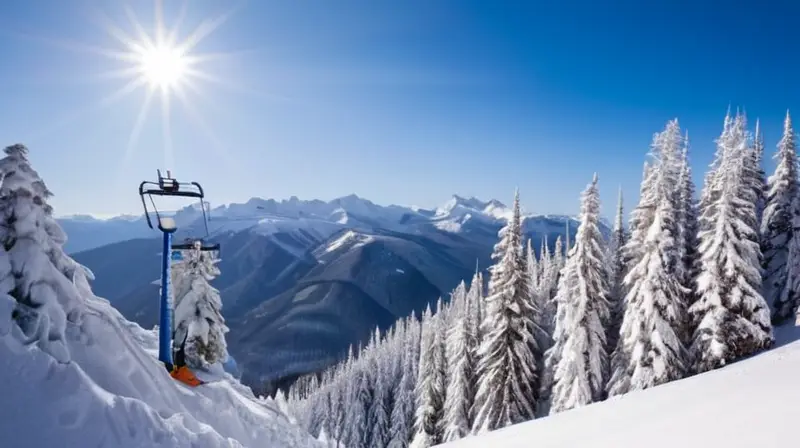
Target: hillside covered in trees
691 284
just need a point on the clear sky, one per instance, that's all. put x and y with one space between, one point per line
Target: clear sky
399 102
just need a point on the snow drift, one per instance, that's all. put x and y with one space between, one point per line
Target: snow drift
736 406
114 393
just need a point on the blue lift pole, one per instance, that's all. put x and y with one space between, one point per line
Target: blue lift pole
165 311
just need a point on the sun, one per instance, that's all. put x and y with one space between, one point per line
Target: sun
168 68
163 66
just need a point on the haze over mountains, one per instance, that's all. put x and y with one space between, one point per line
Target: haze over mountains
302 280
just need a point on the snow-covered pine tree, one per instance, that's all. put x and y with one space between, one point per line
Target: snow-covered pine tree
414 334
732 318
776 226
537 297
430 390
654 324
336 419
557 261
687 226
34 270
474 299
198 309
460 392
379 415
358 415
544 263
402 428
759 179
551 263
533 266
616 266
641 218
440 368
508 384
316 411
581 372
396 355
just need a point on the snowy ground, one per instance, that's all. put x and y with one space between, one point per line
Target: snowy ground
755 402
115 394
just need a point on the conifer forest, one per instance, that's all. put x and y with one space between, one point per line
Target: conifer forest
692 280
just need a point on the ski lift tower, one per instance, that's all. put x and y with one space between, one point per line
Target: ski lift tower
167 186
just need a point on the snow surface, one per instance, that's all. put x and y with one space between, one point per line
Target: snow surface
114 393
738 406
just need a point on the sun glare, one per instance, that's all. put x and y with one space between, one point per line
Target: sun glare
163 66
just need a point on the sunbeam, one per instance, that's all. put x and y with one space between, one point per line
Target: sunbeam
133 138
164 65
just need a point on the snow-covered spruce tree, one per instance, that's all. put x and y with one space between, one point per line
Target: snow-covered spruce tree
338 403
544 262
538 298
198 309
508 379
551 265
654 324
533 265
641 219
687 227
402 428
430 388
379 423
440 366
616 274
758 177
731 316
460 392
776 226
34 270
582 369
358 412
395 355
474 299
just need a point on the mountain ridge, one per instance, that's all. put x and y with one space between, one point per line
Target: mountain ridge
88 232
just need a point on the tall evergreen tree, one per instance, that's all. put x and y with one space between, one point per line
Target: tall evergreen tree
731 317
616 266
653 328
460 391
687 223
759 178
360 431
474 299
581 371
430 390
776 226
538 298
533 266
789 298
402 428
379 423
508 356
642 217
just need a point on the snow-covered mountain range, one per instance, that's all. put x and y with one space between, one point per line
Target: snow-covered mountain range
302 280
317 217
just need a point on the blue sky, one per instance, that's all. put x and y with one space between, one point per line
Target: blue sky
400 102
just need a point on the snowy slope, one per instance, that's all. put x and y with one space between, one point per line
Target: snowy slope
115 394
754 402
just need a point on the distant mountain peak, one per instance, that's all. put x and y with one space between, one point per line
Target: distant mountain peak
471 203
